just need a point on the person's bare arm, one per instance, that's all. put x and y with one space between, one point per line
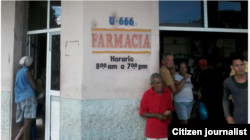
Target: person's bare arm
179 84
32 82
43 80
172 88
168 80
154 115
162 117
170 111
144 110
172 72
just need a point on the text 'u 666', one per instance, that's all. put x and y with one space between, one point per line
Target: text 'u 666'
127 21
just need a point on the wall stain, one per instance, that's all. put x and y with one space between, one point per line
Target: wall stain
93 24
8 58
76 41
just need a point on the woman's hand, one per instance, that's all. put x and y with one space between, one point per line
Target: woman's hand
187 76
199 94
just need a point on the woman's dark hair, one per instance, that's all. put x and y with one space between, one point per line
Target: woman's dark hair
181 62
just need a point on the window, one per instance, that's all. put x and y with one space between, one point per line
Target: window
38 15
181 13
227 14
55 14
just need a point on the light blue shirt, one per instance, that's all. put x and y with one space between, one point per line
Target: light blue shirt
186 93
23 88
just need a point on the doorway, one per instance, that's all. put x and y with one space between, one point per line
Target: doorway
45 50
215 47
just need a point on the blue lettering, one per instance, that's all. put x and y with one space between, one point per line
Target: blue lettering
131 21
122 21
126 21
111 20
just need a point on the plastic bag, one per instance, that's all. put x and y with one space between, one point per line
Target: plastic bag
202 110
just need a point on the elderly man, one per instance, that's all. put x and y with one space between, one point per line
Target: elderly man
156 105
167 72
25 97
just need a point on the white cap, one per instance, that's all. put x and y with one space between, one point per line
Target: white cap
26 61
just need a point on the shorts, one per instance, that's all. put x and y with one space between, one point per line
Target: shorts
26 109
183 109
157 139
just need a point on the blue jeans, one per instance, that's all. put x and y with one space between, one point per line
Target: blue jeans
183 109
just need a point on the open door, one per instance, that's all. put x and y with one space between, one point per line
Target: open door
53 87
45 50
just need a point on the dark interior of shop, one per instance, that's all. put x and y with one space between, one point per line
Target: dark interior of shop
215 47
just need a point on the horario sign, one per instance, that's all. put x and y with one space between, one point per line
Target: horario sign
120 49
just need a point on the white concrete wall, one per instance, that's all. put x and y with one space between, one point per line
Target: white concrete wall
103 104
79 79
72 40
7 51
117 84
7 44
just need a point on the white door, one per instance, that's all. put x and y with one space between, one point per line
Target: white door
53 87
45 50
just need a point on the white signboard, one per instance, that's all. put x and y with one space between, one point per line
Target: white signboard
121 49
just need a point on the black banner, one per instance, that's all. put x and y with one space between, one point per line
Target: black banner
240 131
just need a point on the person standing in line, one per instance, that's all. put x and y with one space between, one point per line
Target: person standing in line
184 100
244 54
167 72
25 97
156 105
206 87
237 86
